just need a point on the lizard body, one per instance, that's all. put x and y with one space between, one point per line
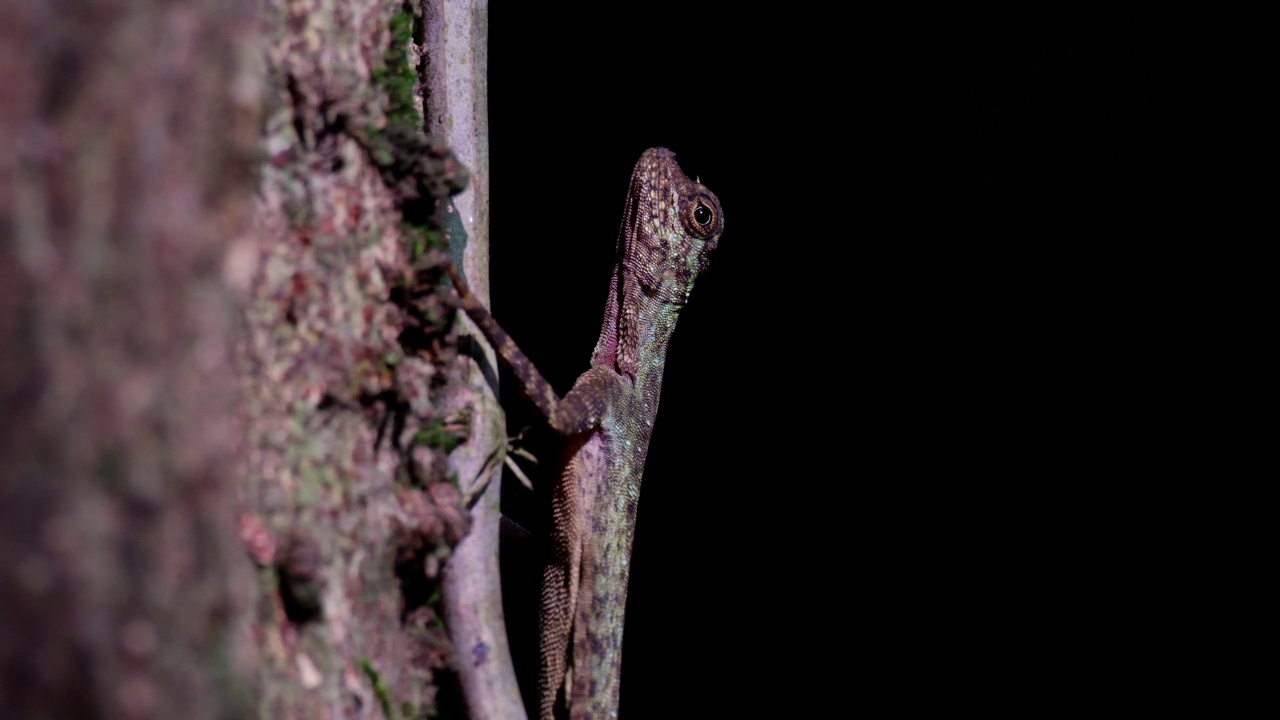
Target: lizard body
669 226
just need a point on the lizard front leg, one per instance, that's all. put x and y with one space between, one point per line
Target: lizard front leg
577 412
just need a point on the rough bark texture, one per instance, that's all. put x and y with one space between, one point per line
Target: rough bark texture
127 130
138 280
351 505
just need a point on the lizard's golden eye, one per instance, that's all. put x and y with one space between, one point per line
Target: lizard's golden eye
700 216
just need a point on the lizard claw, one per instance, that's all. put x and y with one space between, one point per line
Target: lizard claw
514 449
504 451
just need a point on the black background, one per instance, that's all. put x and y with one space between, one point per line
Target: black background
880 465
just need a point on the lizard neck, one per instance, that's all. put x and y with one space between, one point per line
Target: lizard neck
669 225
636 333
655 321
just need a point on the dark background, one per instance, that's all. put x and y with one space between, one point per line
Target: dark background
882 464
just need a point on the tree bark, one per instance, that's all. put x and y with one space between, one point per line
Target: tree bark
196 385
349 360
127 129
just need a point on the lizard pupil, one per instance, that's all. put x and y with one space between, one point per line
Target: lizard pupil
702 215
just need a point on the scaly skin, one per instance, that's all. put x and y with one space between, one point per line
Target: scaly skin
669 227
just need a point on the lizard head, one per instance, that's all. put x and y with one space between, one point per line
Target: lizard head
670 226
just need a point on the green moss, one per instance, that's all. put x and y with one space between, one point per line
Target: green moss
310 486
397 77
361 376
379 687
419 239
438 435
378 146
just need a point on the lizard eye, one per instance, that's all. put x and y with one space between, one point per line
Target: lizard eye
700 216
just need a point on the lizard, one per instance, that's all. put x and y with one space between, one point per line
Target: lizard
670 224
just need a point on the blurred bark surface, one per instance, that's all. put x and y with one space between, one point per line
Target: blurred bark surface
227 419
127 133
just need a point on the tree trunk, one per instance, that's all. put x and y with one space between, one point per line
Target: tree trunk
127 130
127 257
355 393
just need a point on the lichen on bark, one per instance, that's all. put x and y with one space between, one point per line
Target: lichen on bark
349 342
